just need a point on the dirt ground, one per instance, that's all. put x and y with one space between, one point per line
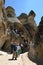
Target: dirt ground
5 59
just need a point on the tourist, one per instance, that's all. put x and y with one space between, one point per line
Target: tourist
22 47
14 51
18 49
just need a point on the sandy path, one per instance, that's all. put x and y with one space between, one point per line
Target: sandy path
21 60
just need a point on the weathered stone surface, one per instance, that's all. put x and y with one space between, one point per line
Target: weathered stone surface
22 17
8 19
29 24
39 40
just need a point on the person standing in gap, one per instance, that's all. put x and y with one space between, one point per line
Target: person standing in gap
14 46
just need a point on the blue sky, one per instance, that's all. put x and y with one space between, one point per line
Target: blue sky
24 6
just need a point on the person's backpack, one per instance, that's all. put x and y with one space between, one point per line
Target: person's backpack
14 47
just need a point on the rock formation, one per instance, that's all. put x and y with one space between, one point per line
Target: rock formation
36 49
29 23
8 23
22 17
39 40
2 27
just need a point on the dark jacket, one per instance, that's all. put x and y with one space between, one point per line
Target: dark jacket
14 47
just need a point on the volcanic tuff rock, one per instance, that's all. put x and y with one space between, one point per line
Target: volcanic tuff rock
29 23
39 40
9 20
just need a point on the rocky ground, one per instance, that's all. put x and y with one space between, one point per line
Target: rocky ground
5 59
